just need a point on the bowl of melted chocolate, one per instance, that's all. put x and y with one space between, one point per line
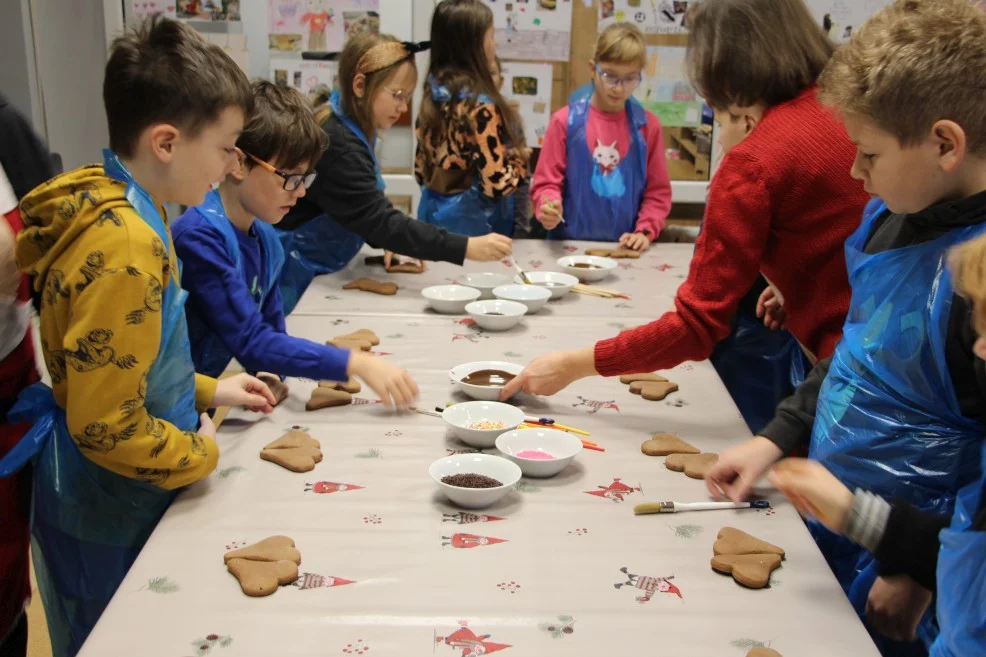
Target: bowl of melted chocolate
483 380
496 314
587 268
556 283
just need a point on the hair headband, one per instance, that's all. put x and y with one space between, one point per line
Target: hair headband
384 55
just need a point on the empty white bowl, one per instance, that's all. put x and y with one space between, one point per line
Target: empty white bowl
564 447
497 467
598 269
496 314
484 282
555 282
460 417
481 393
450 299
532 296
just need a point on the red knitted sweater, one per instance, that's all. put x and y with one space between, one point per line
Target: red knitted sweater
782 203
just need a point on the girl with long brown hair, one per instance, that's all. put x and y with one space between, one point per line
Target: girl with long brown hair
470 158
347 204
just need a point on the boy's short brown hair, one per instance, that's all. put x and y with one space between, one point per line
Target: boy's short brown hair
968 265
282 128
745 52
621 43
912 64
163 71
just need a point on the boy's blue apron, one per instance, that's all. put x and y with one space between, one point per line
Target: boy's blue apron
888 420
601 206
321 246
962 577
87 523
209 352
471 213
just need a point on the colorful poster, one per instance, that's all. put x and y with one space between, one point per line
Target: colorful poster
303 75
209 10
533 29
840 17
651 16
235 47
529 85
138 10
666 91
319 25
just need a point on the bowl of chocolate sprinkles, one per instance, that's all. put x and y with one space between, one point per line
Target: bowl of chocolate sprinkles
474 481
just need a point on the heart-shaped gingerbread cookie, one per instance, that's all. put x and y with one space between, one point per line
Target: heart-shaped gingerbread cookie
262 567
272 548
761 651
363 335
656 391
328 398
693 465
664 444
295 451
734 541
277 387
352 386
750 570
627 379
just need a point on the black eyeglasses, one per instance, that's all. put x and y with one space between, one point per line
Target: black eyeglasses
292 181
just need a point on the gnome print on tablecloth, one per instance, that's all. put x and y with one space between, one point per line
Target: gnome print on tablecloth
469 644
325 487
315 581
616 491
595 405
466 518
648 585
465 541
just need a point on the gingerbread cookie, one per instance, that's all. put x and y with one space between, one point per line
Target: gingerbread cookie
762 651
613 253
657 391
733 541
599 253
693 465
295 451
362 335
751 570
262 567
628 379
352 386
328 398
370 285
664 444
277 387
395 267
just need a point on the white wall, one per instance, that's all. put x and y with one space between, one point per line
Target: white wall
17 76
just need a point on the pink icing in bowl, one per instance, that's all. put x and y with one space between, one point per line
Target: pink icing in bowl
535 455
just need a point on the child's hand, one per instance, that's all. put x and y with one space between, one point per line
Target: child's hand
814 491
895 606
549 214
393 385
552 373
388 261
206 426
489 248
635 241
244 390
770 306
740 468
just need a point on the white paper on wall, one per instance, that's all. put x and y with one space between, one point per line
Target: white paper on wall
532 29
529 85
303 75
666 91
234 45
840 17
651 16
138 10
319 25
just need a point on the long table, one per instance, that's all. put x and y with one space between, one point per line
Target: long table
390 567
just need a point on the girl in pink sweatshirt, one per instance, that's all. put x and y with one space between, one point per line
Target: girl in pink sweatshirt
602 175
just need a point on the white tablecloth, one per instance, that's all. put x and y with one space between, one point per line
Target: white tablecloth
549 588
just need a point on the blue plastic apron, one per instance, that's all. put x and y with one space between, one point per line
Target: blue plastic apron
209 353
888 420
607 207
89 524
962 578
321 246
471 213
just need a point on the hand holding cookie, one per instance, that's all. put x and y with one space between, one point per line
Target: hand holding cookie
489 248
740 468
635 241
814 491
244 390
394 385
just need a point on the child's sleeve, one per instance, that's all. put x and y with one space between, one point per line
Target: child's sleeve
205 391
549 178
501 168
216 289
656 204
794 418
110 344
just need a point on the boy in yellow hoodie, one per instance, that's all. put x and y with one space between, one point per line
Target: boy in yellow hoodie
119 431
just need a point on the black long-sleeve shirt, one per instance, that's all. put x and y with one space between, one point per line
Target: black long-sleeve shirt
346 190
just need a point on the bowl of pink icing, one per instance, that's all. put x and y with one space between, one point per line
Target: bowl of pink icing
539 452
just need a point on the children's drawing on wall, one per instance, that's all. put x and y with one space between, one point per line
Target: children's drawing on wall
839 18
318 25
532 29
209 10
304 75
138 10
653 17
234 45
529 86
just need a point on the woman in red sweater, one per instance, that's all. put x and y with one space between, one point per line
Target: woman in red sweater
782 202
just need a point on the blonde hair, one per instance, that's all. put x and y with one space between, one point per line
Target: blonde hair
912 64
968 264
621 43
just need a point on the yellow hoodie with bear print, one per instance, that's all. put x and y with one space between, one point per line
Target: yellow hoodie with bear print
100 269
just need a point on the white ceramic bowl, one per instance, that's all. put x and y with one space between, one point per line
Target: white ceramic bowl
481 393
484 282
496 314
450 299
602 267
560 444
532 296
497 467
561 284
460 416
